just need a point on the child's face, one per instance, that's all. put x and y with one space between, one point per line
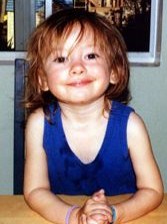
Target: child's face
78 74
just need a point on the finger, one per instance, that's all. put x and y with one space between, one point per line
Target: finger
99 221
101 191
100 207
98 216
93 207
100 196
98 193
83 219
101 214
91 221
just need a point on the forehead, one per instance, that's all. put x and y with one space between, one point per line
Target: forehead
78 34
74 34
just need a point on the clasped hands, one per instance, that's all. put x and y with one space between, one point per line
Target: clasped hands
96 210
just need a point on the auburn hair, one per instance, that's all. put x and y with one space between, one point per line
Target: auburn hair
54 31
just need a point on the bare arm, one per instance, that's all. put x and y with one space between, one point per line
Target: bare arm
149 183
36 182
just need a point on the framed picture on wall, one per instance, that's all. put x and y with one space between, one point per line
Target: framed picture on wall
139 21
17 20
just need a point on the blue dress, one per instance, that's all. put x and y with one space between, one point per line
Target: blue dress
112 168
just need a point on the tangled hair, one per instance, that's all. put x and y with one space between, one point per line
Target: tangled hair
53 32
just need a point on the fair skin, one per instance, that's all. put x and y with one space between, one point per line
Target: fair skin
84 73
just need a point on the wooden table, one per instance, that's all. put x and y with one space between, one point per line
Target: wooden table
14 210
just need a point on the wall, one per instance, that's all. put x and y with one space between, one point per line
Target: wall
6 129
149 90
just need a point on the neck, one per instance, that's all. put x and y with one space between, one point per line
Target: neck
83 113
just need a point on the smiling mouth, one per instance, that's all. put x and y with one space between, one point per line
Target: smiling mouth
80 83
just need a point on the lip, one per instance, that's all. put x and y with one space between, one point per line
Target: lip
80 83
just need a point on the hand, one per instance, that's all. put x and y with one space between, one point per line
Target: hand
100 197
95 210
88 220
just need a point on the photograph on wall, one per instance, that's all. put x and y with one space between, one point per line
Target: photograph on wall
139 21
8 22
131 17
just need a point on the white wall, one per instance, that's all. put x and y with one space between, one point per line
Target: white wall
149 91
6 129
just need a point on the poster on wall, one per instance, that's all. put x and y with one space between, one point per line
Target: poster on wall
139 21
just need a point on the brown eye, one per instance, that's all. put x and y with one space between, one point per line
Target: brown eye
60 59
92 56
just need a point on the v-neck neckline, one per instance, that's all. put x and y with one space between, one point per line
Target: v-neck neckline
108 134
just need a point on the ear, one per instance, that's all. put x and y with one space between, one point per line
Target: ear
43 84
113 79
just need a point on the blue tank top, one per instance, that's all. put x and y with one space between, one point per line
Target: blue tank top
112 168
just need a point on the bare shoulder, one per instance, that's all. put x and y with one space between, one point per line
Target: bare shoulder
36 118
34 135
35 124
137 133
136 125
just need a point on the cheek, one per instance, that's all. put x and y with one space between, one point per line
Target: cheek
52 75
52 82
55 81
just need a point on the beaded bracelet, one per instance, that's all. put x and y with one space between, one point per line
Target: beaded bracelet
69 213
114 216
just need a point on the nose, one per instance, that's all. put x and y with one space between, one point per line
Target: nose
77 68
